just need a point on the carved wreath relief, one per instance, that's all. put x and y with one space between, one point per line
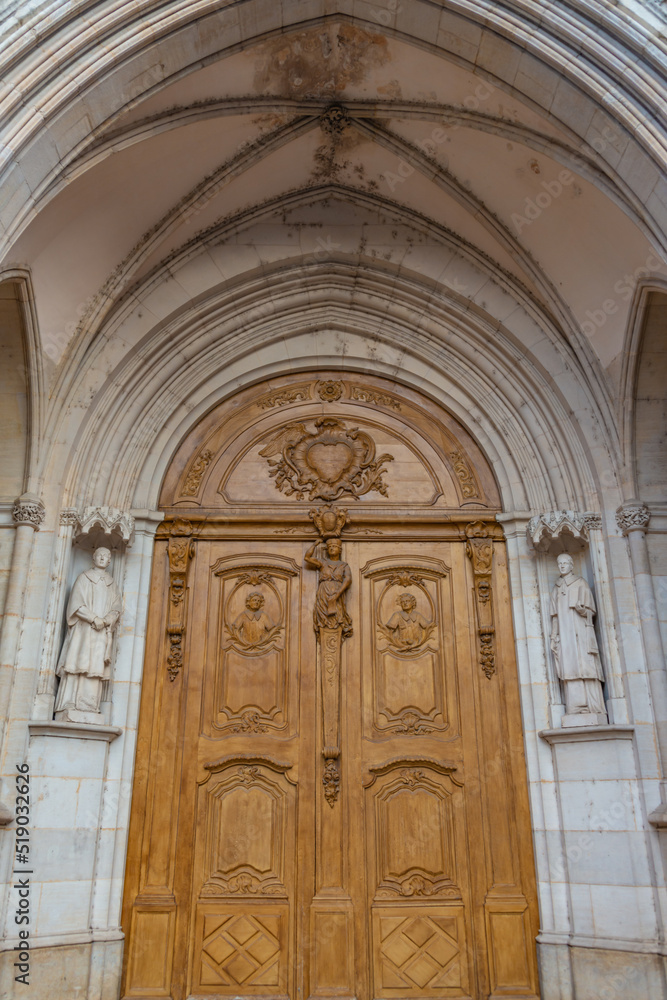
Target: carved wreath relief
325 462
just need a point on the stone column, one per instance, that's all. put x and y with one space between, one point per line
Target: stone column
633 519
46 685
28 514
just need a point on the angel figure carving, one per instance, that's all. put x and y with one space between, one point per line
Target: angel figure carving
253 629
407 628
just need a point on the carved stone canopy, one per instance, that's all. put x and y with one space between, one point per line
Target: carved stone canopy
108 526
560 530
326 461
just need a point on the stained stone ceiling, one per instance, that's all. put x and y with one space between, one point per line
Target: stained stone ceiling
327 122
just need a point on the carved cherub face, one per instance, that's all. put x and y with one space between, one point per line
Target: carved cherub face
254 601
101 558
408 602
565 563
334 548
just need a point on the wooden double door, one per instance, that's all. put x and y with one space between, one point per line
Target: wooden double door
330 793
400 868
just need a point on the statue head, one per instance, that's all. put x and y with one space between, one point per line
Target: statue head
334 548
407 601
101 557
254 601
565 563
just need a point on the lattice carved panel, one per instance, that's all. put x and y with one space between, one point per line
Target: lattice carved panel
420 953
241 952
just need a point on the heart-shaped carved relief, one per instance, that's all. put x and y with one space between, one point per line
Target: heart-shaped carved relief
330 461
325 462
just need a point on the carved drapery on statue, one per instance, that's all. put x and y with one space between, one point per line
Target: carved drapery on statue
479 548
93 613
575 647
332 625
325 462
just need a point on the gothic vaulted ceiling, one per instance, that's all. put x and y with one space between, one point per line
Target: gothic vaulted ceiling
527 138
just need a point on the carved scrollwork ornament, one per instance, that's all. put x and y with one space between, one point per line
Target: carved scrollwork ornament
331 780
366 395
464 475
180 549
328 520
284 396
196 473
479 548
325 462
29 509
633 517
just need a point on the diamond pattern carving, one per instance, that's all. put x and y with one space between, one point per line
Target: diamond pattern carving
419 953
241 949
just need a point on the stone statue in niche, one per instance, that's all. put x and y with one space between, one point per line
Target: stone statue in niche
93 613
334 579
407 628
575 647
253 629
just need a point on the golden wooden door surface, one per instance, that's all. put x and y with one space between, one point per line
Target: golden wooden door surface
399 867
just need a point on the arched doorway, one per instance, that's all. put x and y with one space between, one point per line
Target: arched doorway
330 794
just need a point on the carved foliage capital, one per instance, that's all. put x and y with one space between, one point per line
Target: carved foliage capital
29 509
633 517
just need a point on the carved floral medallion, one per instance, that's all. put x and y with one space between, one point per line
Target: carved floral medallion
326 461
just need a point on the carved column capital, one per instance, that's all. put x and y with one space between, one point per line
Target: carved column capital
633 517
69 517
29 509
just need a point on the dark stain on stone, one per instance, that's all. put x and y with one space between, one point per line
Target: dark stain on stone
320 62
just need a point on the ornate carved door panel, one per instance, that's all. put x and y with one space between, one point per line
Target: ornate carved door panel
330 791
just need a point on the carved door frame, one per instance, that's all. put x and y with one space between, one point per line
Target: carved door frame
466 523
